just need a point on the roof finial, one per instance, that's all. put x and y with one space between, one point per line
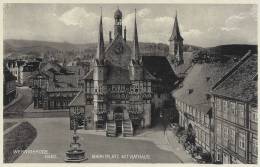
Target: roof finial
176 13
135 12
101 10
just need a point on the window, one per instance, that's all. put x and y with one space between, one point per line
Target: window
207 120
225 109
198 135
194 112
254 146
218 132
51 104
232 111
58 103
188 109
207 138
225 135
218 155
242 141
241 114
218 129
196 115
196 132
218 106
232 136
77 109
199 117
202 136
225 132
202 117
254 117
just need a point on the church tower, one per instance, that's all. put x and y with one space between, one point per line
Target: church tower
176 44
99 77
118 23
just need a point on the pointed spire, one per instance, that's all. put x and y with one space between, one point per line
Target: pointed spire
100 47
176 35
135 51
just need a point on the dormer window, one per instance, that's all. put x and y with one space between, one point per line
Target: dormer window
189 91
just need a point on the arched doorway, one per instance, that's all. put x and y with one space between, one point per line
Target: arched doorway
118 117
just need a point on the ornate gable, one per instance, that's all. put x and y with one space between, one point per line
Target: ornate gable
118 53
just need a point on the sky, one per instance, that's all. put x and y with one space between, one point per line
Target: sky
201 24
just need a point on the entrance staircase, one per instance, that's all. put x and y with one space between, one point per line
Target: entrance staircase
127 128
111 128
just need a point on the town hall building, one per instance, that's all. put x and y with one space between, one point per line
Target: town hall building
122 91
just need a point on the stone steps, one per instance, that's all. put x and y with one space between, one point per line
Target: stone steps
111 129
127 128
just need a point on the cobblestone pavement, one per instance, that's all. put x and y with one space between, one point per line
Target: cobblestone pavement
53 135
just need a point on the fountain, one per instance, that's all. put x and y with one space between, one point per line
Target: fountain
75 154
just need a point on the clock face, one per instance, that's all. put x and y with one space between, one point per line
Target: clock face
119 48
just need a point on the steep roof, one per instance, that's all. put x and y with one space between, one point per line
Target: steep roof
101 45
118 13
198 82
64 83
118 53
176 35
160 68
79 100
240 82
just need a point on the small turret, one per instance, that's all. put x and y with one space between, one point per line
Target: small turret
118 23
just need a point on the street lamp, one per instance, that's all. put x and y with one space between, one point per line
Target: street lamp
75 154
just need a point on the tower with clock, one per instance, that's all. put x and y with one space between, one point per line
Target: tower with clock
117 95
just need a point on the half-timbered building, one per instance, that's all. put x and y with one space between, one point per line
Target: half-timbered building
119 89
235 108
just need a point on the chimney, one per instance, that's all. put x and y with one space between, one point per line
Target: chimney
110 36
125 34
